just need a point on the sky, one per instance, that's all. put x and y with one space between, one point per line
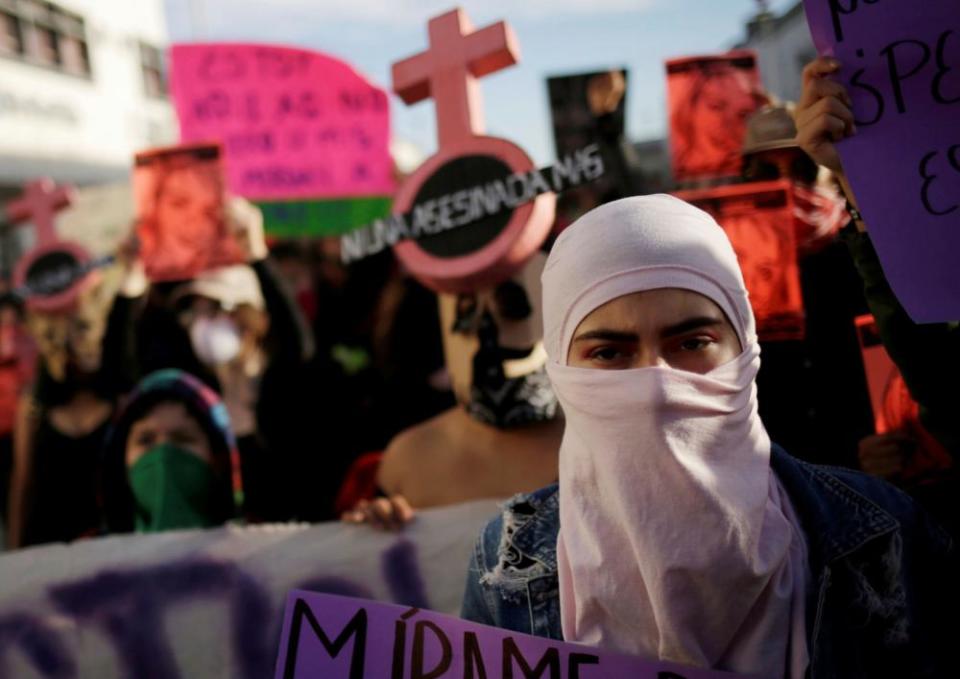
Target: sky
556 37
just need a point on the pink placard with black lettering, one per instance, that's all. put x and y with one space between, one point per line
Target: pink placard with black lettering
293 123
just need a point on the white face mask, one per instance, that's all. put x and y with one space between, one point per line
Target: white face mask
216 340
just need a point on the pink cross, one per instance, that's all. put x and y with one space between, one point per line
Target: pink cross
41 201
450 69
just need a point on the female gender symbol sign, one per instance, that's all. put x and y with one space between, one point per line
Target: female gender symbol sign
55 272
493 248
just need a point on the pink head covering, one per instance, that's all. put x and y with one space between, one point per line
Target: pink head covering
676 540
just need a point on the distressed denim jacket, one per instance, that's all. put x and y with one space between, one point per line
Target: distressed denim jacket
884 594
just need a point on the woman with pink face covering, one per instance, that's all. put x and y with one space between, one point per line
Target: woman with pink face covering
678 531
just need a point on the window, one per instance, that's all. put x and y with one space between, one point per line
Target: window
46 46
41 33
154 71
11 37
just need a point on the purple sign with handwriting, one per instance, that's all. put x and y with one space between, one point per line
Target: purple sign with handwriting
901 65
336 637
293 123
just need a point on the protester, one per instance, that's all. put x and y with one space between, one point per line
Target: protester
170 462
377 350
88 363
240 331
502 437
928 356
678 530
816 424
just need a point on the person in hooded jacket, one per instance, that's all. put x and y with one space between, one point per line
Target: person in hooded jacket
171 459
678 531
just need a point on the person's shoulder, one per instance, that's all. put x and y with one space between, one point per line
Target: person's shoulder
407 449
418 437
883 494
834 492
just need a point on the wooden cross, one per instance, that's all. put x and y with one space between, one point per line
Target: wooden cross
450 69
39 204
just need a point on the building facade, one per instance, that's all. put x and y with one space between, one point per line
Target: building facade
784 46
82 87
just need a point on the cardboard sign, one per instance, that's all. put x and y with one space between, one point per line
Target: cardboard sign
293 123
900 67
448 72
880 369
53 275
100 217
574 127
759 221
337 637
894 409
9 397
709 99
181 223
334 217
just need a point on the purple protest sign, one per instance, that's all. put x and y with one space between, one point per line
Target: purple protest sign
901 65
332 637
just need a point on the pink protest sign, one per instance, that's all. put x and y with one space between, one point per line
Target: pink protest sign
294 124
902 69
333 637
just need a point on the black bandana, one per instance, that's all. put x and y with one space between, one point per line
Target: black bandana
506 402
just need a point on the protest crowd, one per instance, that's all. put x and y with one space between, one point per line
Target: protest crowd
719 411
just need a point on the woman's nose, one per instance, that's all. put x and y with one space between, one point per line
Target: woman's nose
648 358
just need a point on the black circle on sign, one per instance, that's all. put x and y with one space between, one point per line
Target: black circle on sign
463 173
53 273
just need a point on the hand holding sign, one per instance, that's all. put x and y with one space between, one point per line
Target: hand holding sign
901 69
824 114
245 221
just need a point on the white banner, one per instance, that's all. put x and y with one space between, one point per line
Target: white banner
210 603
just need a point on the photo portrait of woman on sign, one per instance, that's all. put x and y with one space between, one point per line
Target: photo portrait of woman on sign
710 100
180 197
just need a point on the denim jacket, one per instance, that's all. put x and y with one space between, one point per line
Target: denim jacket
884 598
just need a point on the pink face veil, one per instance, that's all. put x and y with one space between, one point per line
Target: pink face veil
676 539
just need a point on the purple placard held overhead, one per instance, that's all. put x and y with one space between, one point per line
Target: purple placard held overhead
336 637
901 65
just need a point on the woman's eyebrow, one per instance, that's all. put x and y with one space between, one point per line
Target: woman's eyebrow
690 324
607 335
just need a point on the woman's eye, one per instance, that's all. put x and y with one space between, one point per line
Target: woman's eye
184 438
695 343
605 354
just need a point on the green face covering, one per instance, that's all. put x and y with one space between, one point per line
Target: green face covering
172 488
